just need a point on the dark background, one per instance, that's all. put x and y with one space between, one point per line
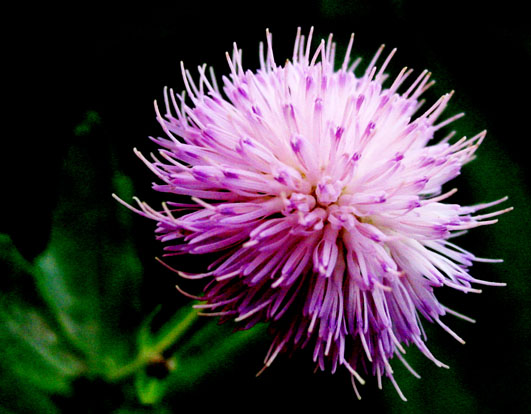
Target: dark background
65 63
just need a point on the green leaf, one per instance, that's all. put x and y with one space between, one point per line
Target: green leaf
63 316
11 257
89 274
90 120
19 397
32 350
213 348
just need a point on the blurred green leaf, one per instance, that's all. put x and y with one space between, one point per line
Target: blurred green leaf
11 257
90 120
88 283
210 349
89 274
31 348
72 312
19 397
38 355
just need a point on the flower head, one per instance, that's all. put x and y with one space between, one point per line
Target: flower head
323 190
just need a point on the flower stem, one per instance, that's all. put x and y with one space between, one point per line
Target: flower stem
152 347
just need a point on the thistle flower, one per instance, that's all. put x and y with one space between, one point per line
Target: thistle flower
323 190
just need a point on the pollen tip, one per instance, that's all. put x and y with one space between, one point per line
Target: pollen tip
261 371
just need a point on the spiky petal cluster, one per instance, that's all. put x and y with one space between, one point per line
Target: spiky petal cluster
321 189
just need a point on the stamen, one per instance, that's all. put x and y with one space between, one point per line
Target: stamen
189 295
346 59
459 315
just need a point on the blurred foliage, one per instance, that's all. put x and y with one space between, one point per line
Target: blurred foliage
89 323
72 326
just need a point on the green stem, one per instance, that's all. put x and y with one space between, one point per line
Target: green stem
160 343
